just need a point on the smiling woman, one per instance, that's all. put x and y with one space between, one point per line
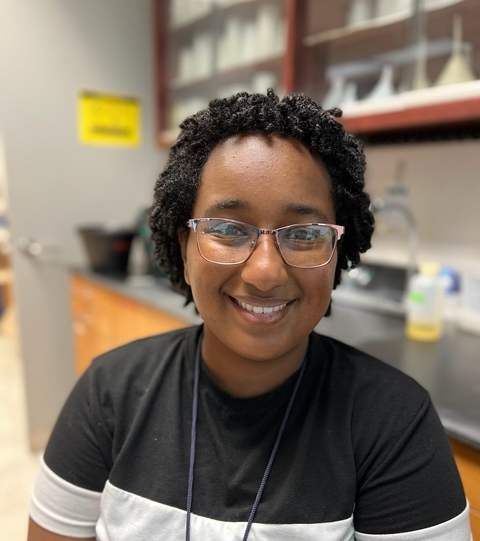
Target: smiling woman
252 426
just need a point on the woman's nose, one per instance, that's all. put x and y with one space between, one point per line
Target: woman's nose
265 268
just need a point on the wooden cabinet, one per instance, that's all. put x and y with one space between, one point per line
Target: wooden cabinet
468 463
104 319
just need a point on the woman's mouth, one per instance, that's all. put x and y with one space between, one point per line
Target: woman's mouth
260 309
263 314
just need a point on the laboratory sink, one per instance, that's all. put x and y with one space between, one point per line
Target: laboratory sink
374 287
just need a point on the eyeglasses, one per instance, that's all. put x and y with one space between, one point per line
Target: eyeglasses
229 242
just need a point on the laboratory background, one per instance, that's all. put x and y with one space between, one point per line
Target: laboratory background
91 96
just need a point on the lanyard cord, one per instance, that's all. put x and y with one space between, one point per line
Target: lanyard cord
193 439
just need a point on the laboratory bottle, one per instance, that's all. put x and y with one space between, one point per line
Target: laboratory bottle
425 304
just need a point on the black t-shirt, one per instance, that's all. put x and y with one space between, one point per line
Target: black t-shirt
363 451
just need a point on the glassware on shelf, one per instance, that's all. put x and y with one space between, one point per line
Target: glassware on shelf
420 77
249 48
178 10
195 61
202 55
334 95
360 11
350 94
262 80
251 39
216 48
185 67
391 7
183 12
458 67
231 44
384 87
269 30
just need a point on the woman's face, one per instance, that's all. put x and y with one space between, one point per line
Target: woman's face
268 182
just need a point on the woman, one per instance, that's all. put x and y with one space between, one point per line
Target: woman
252 426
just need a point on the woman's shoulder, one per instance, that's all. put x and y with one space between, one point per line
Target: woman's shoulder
370 392
361 370
144 358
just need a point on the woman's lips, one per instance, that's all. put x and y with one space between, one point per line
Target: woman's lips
272 312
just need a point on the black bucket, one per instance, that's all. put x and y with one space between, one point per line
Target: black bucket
108 250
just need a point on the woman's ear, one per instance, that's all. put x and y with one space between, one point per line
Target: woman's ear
183 240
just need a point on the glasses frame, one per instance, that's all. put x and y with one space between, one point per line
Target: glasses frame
339 230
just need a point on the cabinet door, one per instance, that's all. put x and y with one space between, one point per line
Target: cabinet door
104 320
84 330
156 322
468 463
139 321
475 524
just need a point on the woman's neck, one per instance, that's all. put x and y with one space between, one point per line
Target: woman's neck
246 378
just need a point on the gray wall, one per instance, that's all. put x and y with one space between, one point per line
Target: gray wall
50 50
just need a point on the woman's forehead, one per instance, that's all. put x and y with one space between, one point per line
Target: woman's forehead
254 155
257 146
264 171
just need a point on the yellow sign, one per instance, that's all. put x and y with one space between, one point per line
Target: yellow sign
108 120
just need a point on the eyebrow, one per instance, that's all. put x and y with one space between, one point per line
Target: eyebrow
227 204
306 210
293 208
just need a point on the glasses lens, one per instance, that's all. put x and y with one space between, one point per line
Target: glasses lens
307 245
225 241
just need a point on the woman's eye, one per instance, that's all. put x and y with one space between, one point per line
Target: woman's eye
227 229
303 233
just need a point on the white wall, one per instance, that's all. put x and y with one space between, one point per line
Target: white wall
443 179
50 50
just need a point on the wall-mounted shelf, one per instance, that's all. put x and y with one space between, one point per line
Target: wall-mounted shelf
315 54
232 74
369 26
225 7
452 106
340 63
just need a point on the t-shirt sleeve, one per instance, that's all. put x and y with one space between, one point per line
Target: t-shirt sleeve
407 479
76 463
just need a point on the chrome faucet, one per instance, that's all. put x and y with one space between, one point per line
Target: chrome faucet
396 213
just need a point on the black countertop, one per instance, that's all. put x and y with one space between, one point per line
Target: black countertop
449 369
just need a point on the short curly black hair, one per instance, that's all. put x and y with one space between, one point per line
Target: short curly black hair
295 116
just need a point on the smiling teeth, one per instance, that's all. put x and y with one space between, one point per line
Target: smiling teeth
260 309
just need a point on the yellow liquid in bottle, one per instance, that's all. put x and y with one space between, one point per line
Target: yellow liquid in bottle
425 332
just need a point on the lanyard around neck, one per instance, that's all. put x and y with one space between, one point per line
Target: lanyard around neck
194 435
